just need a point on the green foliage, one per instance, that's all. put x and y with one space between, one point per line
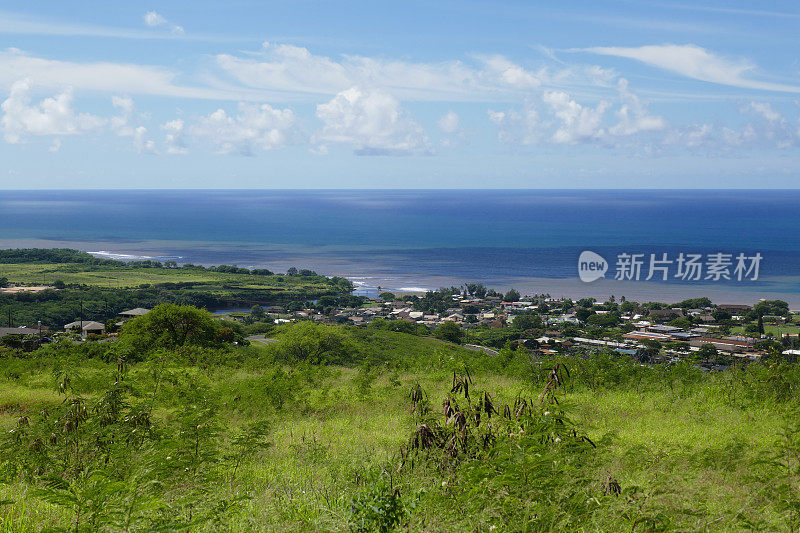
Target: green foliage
449 331
379 508
170 326
308 342
694 303
248 439
511 296
525 322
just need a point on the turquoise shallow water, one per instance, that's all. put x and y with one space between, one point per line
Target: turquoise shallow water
419 239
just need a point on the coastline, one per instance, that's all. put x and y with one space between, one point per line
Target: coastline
413 271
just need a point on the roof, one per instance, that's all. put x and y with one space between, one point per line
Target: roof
139 311
18 331
87 325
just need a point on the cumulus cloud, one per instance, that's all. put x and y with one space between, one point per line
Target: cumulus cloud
174 143
577 123
254 127
692 136
695 62
512 74
371 122
51 116
449 122
633 114
121 123
140 141
519 127
154 20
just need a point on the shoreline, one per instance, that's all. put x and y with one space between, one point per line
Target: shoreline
404 274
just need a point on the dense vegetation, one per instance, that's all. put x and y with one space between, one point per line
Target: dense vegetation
332 428
105 287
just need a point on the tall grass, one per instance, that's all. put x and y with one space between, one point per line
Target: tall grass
260 438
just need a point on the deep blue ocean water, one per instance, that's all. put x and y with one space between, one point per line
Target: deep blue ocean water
424 239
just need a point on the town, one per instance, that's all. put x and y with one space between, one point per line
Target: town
481 319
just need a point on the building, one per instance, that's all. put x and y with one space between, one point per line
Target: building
86 327
644 336
735 308
22 330
133 313
728 344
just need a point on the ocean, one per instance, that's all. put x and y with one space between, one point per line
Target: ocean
405 240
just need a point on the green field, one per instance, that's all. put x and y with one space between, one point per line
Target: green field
689 451
771 330
122 277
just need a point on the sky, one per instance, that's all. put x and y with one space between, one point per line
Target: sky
448 94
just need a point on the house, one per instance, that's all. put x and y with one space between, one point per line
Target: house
725 345
734 308
667 330
665 314
86 327
133 313
644 336
22 330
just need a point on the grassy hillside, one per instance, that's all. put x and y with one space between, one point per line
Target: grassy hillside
320 431
113 276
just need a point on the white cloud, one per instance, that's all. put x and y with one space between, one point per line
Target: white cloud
449 122
254 127
174 143
633 114
371 122
106 77
512 74
141 143
154 20
769 126
692 136
694 62
56 146
51 116
17 24
765 110
514 127
121 123
294 69
577 123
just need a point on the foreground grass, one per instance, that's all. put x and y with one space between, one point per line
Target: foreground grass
687 453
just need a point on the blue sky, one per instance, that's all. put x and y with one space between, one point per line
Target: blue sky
242 94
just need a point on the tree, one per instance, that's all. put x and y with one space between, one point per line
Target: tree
524 322
257 312
3 282
760 324
170 326
721 314
449 331
707 352
316 344
386 296
292 271
583 313
511 296
170 264
59 284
